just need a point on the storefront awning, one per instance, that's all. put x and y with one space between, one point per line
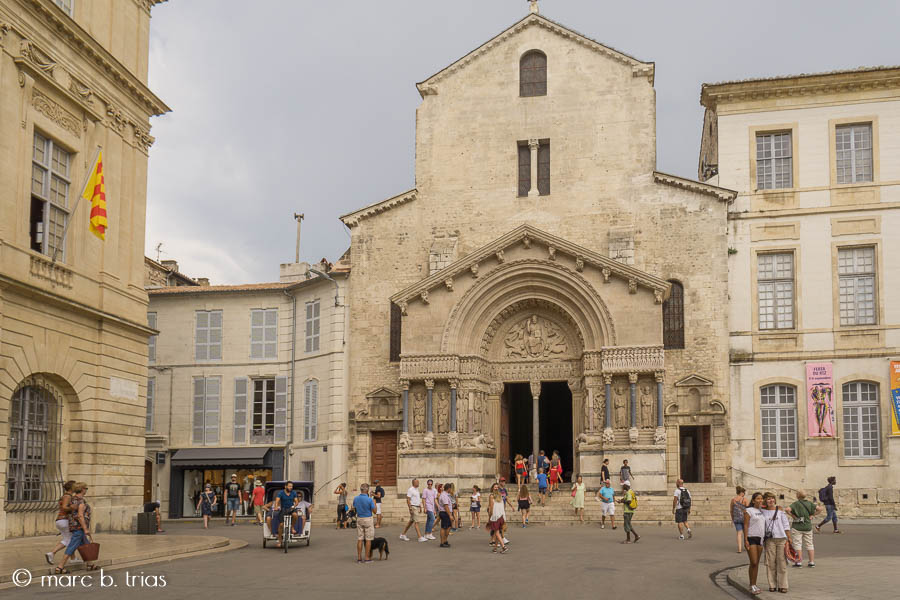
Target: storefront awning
225 457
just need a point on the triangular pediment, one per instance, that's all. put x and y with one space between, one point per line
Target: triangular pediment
551 246
639 68
383 392
693 380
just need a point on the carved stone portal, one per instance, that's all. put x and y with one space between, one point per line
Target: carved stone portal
534 337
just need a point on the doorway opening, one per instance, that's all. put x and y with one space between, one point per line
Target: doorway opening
556 424
515 426
695 453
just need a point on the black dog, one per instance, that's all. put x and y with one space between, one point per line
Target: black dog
381 545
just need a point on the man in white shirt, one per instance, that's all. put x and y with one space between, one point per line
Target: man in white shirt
681 509
414 503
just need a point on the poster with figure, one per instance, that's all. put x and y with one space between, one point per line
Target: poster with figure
895 398
820 399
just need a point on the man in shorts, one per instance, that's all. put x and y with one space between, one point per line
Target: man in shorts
414 504
445 503
365 524
378 496
259 499
606 496
681 512
232 499
542 485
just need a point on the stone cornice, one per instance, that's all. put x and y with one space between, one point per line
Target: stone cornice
639 68
352 219
528 235
805 84
721 193
65 28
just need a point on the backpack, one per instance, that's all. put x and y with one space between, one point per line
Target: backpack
634 501
822 494
685 499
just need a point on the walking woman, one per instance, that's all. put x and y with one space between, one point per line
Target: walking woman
79 526
62 520
555 472
207 504
755 529
578 498
777 534
475 506
737 508
341 492
524 503
497 519
521 469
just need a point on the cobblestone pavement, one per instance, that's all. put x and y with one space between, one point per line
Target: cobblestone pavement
543 562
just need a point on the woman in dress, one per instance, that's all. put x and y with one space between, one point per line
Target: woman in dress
777 533
736 509
207 504
79 526
62 520
555 471
754 528
524 503
577 501
497 519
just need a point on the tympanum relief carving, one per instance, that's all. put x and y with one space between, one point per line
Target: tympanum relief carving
534 337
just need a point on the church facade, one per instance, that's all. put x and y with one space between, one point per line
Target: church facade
543 287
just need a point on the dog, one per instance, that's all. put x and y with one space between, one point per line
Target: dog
381 545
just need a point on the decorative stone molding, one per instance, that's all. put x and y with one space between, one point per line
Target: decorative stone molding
424 296
429 384
526 241
632 377
607 380
428 440
660 376
535 371
403 308
495 388
579 264
352 219
81 90
429 367
56 113
723 194
535 388
659 436
54 272
551 251
500 257
609 437
404 384
657 296
142 138
117 121
633 435
606 272
37 57
404 443
474 270
453 439
632 287
633 359
523 306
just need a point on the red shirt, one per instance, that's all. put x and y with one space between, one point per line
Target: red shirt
259 496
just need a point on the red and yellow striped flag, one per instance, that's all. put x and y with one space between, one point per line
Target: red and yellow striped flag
95 193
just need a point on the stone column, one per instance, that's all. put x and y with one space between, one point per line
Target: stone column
589 408
632 394
535 417
429 396
533 146
405 410
659 398
607 417
453 385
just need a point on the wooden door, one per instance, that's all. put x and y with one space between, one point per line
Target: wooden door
707 453
148 481
503 466
384 457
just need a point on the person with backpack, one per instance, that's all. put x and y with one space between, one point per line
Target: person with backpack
629 502
681 506
802 511
826 497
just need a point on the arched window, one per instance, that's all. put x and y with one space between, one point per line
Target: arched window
673 318
778 421
533 74
862 433
33 470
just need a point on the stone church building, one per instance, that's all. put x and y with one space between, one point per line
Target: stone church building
543 287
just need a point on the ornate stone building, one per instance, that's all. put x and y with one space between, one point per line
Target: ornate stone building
73 310
543 286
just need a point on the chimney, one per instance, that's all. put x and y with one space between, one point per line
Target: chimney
203 281
170 264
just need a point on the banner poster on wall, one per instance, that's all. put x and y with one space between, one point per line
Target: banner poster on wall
895 397
820 399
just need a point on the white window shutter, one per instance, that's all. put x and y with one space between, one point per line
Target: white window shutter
199 412
213 393
240 410
314 411
280 409
151 392
307 405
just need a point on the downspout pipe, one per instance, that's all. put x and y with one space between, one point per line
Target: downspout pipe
290 440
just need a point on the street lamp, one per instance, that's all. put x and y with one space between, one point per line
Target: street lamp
337 301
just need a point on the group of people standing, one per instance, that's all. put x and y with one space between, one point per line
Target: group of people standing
208 501
74 524
779 535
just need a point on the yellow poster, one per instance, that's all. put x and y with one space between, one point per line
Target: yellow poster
895 398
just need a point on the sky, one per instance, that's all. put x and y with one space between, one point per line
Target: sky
284 106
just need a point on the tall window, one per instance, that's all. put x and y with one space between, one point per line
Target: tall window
543 173
774 169
673 318
856 275
34 436
775 288
151 343
208 338
524 169
778 422
312 326
263 333
862 430
50 165
853 153
310 410
396 332
308 470
207 392
543 168
533 74
263 431
151 400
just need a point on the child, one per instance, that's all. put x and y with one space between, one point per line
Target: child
524 503
521 470
503 493
475 507
554 478
456 524
542 485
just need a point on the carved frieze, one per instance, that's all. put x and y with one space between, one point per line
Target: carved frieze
81 90
437 366
142 138
56 113
37 57
633 359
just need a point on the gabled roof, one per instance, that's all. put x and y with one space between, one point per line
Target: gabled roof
721 193
693 380
527 234
352 219
639 68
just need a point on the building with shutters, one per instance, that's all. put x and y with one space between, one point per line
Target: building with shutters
73 329
247 380
814 316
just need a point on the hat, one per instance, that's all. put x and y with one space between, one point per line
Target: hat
257 482
503 479
377 480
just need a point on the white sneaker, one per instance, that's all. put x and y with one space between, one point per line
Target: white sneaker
404 538
505 541
49 557
681 537
423 539
430 536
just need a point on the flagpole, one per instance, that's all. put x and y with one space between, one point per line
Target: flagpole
77 202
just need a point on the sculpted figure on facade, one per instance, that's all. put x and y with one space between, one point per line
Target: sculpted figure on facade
477 424
647 406
443 412
621 417
462 411
534 338
599 410
419 412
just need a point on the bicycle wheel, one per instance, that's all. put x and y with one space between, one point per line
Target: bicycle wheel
286 532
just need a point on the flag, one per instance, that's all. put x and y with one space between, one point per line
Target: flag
95 193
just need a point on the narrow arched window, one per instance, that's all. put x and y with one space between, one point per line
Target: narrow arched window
533 74
862 419
33 469
673 318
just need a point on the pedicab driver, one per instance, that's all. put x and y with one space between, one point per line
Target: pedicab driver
284 504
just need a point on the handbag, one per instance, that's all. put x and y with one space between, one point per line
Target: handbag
574 492
770 526
89 552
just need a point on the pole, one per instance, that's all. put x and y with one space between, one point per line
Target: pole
298 217
75 208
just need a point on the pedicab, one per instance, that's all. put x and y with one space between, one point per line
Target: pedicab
289 533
